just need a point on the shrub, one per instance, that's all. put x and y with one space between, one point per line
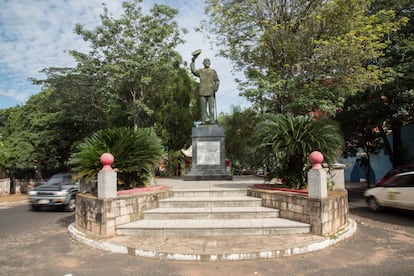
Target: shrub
290 139
136 154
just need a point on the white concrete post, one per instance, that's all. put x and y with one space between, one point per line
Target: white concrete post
107 181
317 186
338 177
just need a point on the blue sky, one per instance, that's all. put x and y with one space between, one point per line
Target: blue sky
36 34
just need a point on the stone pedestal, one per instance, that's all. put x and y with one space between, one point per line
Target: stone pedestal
317 187
208 154
338 177
107 181
317 184
107 186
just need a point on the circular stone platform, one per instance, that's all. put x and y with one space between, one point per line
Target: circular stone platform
229 248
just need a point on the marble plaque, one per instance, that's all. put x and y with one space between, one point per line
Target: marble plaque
208 153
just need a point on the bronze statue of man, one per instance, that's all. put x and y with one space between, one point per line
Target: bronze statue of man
209 83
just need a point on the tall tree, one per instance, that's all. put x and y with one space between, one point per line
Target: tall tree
131 77
133 58
388 107
16 149
398 95
302 55
46 128
173 113
239 127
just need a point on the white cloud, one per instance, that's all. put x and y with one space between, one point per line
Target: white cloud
36 34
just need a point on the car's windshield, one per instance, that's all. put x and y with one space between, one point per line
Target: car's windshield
57 180
404 180
391 173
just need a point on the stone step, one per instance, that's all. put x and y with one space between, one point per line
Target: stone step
209 192
211 213
212 227
208 202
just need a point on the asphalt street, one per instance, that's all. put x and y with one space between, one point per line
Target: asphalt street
37 243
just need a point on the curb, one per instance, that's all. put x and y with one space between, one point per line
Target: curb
325 242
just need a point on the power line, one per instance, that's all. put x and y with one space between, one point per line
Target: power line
223 94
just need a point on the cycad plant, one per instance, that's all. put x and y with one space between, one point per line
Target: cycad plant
290 139
136 154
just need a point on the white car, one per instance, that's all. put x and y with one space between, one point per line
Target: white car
396 192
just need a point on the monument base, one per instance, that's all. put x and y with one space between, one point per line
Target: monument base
202 175
208 154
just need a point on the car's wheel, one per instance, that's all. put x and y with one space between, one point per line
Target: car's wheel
373 204
35 207
70 207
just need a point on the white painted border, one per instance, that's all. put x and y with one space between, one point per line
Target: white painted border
341 235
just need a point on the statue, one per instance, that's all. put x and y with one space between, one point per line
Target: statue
209 83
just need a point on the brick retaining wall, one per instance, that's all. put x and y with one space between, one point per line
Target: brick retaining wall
326 215
98 218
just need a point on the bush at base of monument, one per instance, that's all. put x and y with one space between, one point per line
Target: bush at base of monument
289 140
136 152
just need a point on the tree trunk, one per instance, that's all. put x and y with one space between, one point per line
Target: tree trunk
388 148
398 158
368 168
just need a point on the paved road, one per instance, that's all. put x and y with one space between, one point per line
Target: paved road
37 243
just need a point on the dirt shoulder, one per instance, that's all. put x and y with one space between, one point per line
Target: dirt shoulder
6 198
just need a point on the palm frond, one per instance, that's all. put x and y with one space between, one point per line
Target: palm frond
293 138
136 153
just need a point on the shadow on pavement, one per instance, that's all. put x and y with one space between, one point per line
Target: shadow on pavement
65 221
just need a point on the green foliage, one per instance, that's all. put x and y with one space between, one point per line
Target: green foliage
131 77
290 139
133 59
50 123
175 162
369 117
299 55
136 154
15 148
174 116
240 145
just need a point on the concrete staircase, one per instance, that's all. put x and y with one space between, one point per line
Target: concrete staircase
211 212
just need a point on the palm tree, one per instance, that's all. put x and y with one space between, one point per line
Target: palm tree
290 139
136 153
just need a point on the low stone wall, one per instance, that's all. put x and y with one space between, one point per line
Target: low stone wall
98 218
4 186
326 215
21 186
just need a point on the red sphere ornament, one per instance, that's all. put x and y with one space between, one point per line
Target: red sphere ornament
316 158
107 160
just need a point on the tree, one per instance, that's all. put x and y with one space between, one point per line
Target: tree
131 77
359 124
173 113
132 59
17 149
384 109
398 95
290 139
240 147
45 129
300 56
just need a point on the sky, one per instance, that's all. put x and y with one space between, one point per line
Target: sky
37 34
